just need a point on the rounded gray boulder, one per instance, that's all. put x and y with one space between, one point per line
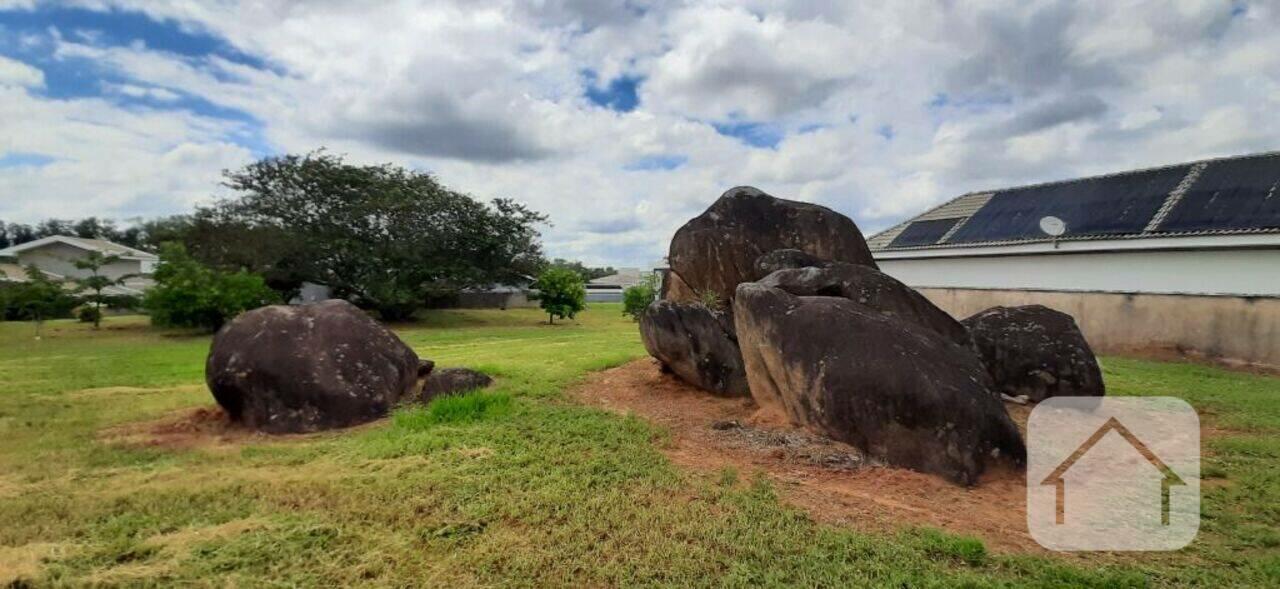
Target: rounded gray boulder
1035 351
303 368
899 391
697 344
716 251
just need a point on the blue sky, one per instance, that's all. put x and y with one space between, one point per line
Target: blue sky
622 119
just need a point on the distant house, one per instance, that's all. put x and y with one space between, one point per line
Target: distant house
608 289
56 256
1181 258
496 296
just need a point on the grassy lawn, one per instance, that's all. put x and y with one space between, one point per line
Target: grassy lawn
514 486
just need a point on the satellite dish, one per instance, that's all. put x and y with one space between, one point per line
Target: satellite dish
1053 226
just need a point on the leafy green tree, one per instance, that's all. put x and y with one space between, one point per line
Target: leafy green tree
95 228
190 294
18 233
95 283
588 273
636 298
561 293
39 298
49 227
385 237
89 228
219 237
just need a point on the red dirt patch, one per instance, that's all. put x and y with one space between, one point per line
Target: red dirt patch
830 480
187 428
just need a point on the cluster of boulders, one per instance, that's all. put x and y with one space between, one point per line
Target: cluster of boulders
781 301
305 368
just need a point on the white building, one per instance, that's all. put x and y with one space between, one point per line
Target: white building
608 289
56 256
1180 259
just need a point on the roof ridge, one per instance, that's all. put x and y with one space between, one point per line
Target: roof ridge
87 243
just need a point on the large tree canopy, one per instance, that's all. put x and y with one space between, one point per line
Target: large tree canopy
384 236
90 227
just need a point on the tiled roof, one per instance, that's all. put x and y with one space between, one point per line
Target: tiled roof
1227 196
100 245
112 247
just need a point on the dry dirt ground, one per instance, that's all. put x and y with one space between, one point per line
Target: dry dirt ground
830 480
202 427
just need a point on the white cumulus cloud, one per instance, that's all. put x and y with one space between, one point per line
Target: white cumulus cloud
878 109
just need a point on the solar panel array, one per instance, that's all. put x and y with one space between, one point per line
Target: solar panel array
1231 194
1227 195
923 232
1096 206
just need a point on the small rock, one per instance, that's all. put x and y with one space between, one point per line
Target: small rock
449 381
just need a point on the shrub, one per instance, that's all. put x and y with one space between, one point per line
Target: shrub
95 284
89 314
711 300
561 293
189 294
636 298
37 298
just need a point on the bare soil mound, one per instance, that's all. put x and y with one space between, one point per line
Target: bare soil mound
830 480
187 428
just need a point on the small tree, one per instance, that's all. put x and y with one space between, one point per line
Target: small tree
39 298
636 298
95 283
189 294
561 293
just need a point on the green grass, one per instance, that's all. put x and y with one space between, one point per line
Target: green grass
515 485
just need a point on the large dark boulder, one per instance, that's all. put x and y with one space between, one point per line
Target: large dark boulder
303 368
717 250
869 287
900 392
697 344
1035 351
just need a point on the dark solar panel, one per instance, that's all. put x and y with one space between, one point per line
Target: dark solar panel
923 233
1099 206
1231 194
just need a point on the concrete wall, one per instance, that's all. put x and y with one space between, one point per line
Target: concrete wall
58 258
493 300
1237 330
1245 272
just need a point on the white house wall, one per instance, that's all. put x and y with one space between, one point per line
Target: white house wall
59 258
1243 272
